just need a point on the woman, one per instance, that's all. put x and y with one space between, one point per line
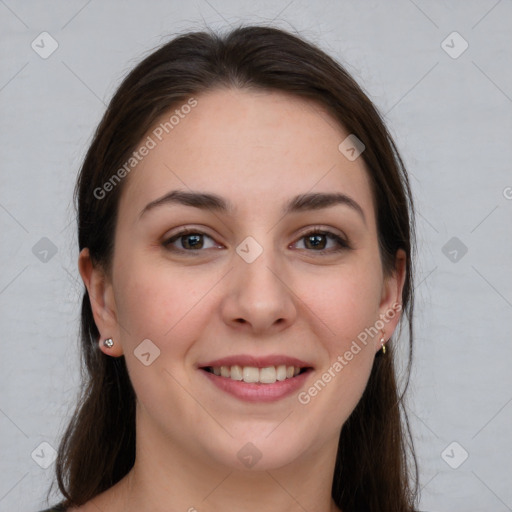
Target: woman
246 233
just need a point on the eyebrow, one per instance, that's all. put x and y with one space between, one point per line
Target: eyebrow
300 203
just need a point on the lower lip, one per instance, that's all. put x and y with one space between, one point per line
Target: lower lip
258 392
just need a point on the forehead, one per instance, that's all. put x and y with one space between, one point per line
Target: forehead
256 148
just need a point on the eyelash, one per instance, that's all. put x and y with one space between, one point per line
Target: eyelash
342 243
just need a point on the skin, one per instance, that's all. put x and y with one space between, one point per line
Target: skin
256 149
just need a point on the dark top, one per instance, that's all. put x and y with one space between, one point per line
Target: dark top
56 508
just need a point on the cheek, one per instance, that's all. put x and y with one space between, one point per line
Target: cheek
165 305
346 302
171 309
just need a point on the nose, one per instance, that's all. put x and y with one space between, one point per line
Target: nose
259 299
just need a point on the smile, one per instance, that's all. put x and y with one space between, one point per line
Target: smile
252 374
257 379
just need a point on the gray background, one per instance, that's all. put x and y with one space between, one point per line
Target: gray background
451 118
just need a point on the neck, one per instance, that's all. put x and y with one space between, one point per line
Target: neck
167 477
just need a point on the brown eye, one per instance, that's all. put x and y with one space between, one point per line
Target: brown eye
193 241
188 241
323 242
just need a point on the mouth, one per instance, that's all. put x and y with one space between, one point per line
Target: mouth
257 379
255 375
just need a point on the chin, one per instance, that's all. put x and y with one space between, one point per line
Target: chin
260 452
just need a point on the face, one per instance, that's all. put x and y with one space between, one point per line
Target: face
246 256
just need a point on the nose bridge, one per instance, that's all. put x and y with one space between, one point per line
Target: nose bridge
258 275
258 294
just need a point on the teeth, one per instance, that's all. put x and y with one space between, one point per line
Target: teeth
281 372
268 375
236 372
251 374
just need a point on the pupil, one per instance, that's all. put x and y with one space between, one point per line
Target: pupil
196 241
317 241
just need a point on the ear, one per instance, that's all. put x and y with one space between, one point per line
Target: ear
390 308
103 306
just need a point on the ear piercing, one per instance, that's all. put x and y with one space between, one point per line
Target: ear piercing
109 343
383 343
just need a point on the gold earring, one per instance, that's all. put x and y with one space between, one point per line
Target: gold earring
383 343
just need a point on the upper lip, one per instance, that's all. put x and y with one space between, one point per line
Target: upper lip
258 362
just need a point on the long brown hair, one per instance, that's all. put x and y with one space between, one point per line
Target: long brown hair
376 468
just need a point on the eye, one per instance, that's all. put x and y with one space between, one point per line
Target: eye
322 241
317 240
189 240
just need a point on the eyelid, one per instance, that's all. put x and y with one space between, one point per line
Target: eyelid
189 230
319 228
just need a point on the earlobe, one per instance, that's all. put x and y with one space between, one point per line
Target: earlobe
109 347
391 300
102 303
